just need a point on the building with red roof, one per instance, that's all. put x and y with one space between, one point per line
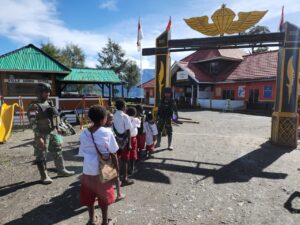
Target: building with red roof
210 77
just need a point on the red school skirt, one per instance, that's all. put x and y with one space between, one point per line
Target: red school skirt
127 154
150 148
141 139
91 188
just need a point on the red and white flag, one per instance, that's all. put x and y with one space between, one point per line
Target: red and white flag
169 25
139 36
281 28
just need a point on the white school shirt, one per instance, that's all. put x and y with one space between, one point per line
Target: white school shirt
135 124
106 144
150 130
121 122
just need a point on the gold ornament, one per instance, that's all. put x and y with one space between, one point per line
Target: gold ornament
223 22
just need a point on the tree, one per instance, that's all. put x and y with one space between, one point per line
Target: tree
72 56
51 50
132 74
112 56
257 30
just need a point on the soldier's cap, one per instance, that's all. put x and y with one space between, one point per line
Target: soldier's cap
43 87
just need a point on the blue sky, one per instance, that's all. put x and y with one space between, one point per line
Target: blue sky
89 23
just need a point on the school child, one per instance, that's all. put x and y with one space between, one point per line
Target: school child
91 187
135 124
121 128
141 137
120 195
151 133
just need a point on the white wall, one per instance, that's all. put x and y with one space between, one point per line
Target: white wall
221 104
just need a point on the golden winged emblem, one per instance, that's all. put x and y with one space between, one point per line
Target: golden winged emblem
290 76
223 22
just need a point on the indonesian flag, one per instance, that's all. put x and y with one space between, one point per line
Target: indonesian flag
281 20
139 36
169 25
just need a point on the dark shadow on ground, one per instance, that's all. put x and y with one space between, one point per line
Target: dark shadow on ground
242 169
151 175
10 188
58 209
26 144
160 150
289 203
252 165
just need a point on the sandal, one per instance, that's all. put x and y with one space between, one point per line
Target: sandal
127 182
93 222
120 197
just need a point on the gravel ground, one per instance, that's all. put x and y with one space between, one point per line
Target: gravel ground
221 171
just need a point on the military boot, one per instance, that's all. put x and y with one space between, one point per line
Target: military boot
170 142
158 140
61 170
43 172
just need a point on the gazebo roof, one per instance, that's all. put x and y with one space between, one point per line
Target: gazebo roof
88 75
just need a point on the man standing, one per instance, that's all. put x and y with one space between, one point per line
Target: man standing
165 111
44 118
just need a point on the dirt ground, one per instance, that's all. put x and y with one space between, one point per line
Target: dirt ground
221 171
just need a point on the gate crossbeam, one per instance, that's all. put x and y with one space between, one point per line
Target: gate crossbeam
234 41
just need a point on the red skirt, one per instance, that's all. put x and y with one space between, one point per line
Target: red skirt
150 148
141 139
91 188
127 154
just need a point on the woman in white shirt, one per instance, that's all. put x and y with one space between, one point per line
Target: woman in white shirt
91 187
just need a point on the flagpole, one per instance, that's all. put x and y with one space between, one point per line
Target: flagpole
141 74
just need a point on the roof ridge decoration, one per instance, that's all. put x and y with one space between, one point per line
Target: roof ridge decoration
223 22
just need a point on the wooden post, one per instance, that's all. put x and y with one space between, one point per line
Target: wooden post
285 117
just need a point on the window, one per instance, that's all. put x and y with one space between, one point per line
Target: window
228 94
21 89
214 67
268 91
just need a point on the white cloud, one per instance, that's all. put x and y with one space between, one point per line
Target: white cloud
37 21
109 4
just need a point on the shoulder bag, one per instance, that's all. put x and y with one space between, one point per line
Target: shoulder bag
108 167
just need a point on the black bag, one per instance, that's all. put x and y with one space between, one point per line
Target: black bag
122 139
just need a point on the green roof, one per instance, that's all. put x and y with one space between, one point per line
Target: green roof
30 58
91 76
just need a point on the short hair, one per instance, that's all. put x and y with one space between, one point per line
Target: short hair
97 113
131 111
149 117
120 104
139 108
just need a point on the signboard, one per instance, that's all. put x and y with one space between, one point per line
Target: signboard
182 75
27 81
268 91
241 91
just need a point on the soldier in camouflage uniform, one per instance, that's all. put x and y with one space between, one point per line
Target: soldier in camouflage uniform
165 111
44 118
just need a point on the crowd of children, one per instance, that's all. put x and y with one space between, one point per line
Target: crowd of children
125 134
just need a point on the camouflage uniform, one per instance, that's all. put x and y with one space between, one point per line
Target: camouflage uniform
44 118
165 111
